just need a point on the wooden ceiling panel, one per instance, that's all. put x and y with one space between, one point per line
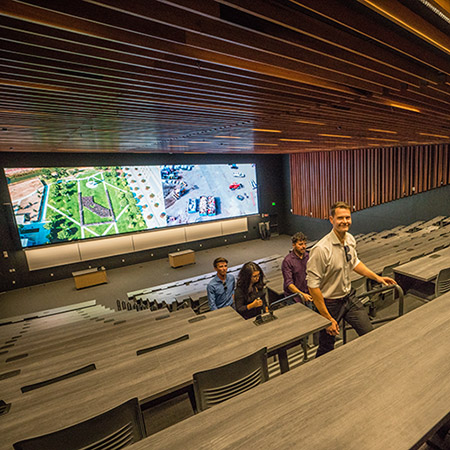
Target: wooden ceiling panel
218 76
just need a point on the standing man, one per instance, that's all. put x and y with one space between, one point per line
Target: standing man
221 288
328 275
294 270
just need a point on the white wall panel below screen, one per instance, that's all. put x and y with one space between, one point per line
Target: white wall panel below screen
58 255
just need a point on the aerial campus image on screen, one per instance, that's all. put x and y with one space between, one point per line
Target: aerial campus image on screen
53 205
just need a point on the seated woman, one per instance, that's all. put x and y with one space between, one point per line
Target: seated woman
250 292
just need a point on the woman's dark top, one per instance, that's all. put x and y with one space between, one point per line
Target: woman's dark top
241 300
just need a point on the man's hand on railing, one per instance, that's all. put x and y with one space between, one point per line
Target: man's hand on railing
385 281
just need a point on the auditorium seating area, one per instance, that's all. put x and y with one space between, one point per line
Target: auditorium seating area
192 291
380 251
402 244
54 352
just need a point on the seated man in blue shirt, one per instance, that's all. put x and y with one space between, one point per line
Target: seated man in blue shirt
221 288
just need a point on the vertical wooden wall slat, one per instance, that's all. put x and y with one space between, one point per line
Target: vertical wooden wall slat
445 167
365 177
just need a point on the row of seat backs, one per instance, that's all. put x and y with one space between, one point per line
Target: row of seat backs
216 385
123 425
112 430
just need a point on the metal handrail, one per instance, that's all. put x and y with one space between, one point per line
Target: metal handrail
395 287
366 297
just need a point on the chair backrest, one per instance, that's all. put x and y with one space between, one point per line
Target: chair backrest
216 385
112 430
360 285
442 282
388 297
388 271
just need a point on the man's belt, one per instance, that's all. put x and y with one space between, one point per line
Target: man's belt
341 299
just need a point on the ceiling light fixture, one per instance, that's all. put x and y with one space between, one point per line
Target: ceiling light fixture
402 106
336 136
435 135
380 139
435 10
227 137
382 131
310 122
266 131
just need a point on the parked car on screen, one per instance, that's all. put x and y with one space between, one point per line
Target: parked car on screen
240 197
203 206
254 185
238 174
234 186
192 205
211 206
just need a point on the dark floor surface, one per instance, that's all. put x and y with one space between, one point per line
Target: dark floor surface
131 278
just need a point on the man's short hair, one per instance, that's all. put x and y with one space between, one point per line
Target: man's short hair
298 237
219 260
334 206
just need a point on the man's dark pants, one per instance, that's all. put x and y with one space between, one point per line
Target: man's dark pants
355 315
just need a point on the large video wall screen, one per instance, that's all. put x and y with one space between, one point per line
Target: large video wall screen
53 205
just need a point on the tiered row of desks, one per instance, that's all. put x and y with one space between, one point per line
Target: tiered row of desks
379 251
386 390
65 368
193 290
403 244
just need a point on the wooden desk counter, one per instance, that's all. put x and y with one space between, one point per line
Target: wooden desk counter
146 376
47 343
221 337
104 346
386 390
426 268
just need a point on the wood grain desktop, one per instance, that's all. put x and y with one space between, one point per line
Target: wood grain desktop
426 268
386 390
120 374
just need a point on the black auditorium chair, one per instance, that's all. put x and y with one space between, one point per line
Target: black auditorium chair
442 286
384 299
216 385
442 282
112 430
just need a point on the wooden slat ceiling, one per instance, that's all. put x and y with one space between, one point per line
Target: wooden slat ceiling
223 76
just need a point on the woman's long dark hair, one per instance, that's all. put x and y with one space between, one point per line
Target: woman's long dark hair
245 276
